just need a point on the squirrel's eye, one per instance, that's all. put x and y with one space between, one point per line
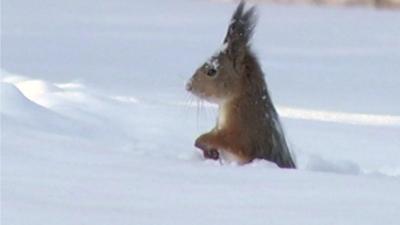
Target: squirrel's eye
211 72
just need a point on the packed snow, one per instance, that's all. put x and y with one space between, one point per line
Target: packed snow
96 126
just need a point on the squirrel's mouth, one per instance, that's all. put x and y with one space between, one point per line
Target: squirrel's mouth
208 98
201 94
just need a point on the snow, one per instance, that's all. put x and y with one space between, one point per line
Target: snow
97 127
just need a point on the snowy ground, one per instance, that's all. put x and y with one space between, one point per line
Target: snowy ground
97 127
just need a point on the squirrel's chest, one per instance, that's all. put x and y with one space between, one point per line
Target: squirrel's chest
222 120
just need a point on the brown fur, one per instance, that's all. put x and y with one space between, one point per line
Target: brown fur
248 126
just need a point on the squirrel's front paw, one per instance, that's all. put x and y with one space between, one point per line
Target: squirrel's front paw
208 151
211 154
201 143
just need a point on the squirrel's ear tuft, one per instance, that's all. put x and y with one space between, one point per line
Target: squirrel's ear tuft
240 28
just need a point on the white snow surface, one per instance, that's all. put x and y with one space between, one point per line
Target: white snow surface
96 127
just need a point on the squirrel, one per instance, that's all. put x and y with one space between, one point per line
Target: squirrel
248 125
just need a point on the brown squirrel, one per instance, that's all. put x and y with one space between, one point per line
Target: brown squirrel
248 125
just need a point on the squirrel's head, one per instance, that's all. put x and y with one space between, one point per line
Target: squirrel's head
221 77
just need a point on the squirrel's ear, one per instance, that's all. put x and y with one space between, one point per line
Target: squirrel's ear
240 31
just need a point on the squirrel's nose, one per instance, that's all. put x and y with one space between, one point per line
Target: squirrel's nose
189 86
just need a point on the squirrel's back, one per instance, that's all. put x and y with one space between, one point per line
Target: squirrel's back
259 123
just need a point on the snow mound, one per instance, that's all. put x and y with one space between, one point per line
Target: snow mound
12 99
19 110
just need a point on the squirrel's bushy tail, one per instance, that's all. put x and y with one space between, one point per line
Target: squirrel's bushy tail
280 153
